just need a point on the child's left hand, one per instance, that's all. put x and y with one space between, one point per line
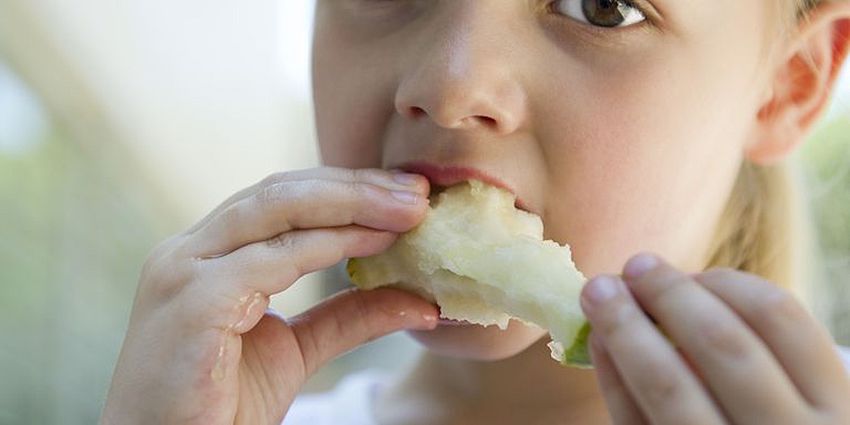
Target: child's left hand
736 349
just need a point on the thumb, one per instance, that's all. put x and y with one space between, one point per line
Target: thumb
355 317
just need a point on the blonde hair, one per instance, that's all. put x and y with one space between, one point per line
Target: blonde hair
762 228
765 228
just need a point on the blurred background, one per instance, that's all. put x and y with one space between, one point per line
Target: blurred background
122 122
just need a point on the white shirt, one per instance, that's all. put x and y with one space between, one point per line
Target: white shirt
350 402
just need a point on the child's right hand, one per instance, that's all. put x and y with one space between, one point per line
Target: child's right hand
199 348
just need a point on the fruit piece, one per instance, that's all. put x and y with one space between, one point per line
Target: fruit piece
484 261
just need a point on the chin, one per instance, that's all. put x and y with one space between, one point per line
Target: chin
475 342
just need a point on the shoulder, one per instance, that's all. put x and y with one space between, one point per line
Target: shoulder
348 403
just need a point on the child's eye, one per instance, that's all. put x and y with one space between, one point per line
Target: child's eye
601 13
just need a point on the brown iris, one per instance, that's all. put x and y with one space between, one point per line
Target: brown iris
605 13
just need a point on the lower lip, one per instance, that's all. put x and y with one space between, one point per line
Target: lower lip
450 322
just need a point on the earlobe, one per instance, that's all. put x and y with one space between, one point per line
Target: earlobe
802 84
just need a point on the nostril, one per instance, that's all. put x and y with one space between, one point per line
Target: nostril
487 121
447 120
480 121
417 112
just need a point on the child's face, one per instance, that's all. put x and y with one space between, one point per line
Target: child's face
623 139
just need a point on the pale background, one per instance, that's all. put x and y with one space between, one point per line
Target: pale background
124 121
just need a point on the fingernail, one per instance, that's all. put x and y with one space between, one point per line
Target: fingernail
405 197
406 179
602 289
640 264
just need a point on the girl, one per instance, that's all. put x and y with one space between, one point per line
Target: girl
628 125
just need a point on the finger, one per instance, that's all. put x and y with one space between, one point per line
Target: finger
232 199
621 406
268 357
745 378
354 317
653 372
391 179
802 346
272 266
303 204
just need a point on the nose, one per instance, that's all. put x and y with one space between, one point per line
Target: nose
464 78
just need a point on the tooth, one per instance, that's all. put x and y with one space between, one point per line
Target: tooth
436 190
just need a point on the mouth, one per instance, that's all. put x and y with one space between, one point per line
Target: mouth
441 177
436 190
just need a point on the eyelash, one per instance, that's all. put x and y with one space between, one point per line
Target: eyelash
551 8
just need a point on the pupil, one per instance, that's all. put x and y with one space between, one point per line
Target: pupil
603 13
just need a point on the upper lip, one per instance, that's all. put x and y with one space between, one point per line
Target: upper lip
445 175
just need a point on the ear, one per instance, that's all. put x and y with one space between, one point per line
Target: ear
803 82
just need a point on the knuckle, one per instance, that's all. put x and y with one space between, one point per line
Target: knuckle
230 216
164 285
227 227
274 193
780 304
370 176
659 287
275 178
359 175
616 320
163 250
281 242
359 189
362 199
288 246
288 193
723 339
663 388
162 275
151 268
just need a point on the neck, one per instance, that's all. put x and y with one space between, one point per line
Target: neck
530 385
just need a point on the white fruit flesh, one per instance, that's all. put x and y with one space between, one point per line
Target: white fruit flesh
484 261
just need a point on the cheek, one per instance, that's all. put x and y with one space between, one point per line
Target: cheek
643 159
352 99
